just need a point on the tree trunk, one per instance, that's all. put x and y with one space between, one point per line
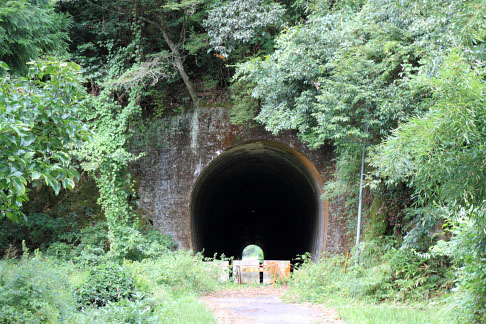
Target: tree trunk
177 60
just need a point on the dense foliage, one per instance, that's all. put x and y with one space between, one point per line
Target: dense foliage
30 29
33 291
40 122
338 72
405 79
108 282
384 272
355 71
441 156
36 289
369 291
233 23
443 149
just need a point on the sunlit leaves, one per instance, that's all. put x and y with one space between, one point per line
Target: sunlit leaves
231 23
39 125
339 71
441 154
345 68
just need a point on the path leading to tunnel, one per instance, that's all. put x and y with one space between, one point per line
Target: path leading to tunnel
263 305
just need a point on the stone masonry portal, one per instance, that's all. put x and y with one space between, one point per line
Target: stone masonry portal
218 187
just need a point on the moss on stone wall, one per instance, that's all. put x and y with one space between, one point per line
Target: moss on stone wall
377 219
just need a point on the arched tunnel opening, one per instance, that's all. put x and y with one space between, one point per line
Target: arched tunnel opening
258 193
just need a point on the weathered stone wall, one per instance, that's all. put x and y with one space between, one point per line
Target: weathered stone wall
184 145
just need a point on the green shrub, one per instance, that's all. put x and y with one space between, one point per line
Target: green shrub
316 281
58 237
142 244
33 291
313 281
85 247
91 257
370 282
60 250
416 276
383 273
371 252
180 270
39 230
140 310
61 238
94 235
108 282
467 247
157 243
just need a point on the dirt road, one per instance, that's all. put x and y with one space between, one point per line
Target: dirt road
264 306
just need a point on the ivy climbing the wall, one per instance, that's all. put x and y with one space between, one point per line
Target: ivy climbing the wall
106 157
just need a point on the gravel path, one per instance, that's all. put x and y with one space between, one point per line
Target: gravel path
264 306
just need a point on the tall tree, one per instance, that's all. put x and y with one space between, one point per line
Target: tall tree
129 32
30 29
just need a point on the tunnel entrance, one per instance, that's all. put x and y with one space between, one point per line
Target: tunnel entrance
260 193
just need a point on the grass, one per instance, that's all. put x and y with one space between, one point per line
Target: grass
353 312
185 309
367 311
367 293
42 290
168 289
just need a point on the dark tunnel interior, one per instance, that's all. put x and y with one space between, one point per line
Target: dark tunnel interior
259 194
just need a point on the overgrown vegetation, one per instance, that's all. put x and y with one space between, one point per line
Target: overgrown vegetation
30 29
389 284
383 273
405 79
40 122
40 289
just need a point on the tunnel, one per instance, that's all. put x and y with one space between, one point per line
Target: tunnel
261 193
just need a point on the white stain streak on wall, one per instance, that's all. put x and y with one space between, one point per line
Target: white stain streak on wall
198 168
194 130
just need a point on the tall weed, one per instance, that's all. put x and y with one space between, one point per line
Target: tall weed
43 290
180 271
383 273
34 291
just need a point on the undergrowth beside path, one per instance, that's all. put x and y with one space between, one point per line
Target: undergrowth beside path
38 289
367 312
388 285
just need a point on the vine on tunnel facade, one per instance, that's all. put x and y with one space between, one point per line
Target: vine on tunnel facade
116 110
106 158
